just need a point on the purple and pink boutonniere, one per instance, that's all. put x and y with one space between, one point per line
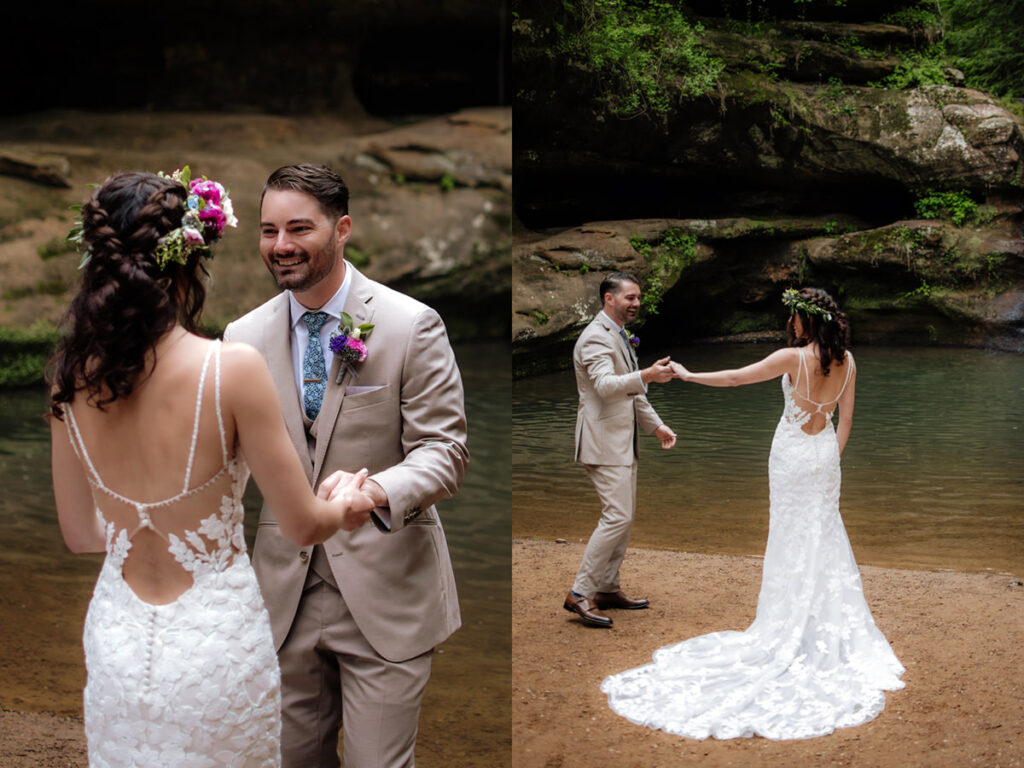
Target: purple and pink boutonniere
348 342
634 340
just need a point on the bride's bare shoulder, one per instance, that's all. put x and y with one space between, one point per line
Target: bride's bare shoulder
241 359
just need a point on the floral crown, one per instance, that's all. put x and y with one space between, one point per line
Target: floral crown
208 209
791 298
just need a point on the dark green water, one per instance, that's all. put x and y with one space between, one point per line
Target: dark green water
932 476
44 589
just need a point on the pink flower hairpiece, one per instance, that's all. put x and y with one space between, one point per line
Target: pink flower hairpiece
208 210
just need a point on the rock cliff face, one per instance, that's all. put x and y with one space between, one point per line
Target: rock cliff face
795 172
430 200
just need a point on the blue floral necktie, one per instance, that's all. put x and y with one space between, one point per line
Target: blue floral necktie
314 368
629 348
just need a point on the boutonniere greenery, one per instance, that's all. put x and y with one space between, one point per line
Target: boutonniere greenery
348 343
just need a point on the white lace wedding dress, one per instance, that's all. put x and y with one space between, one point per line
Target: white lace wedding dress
193 683
813 660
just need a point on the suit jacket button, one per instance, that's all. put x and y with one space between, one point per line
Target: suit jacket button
304 556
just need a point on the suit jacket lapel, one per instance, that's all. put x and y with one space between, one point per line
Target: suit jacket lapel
278 351
359 305
614 331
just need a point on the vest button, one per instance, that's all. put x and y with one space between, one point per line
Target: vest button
304 556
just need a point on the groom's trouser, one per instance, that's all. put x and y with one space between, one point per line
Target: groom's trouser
331 676
616 488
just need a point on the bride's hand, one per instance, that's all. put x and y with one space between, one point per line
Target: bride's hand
354 503
329 483
679 371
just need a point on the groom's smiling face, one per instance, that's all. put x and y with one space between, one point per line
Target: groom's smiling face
621 305
301 245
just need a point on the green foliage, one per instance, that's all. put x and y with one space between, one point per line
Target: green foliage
919 68
853 45
47 287
836 97
57 246
676 251
923 291
993 262
986 41
540 318
956 207
24 354
917 17
360 259
447 183
647 56
584 268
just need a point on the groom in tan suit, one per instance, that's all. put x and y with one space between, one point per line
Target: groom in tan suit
612 405
355 619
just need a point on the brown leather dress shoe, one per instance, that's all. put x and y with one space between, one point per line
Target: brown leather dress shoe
619 600
586 610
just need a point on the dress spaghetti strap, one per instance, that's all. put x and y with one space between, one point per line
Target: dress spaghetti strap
142 507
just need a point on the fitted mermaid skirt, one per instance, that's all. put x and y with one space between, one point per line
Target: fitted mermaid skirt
190 684
813 659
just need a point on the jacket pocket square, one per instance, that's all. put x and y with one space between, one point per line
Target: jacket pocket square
360 389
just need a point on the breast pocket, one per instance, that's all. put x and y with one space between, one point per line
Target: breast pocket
364 399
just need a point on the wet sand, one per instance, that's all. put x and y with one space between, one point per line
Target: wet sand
960 636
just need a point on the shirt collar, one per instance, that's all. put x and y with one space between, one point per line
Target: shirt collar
334 305
610 320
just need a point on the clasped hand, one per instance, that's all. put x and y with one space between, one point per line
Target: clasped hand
665 370
347 490
679 371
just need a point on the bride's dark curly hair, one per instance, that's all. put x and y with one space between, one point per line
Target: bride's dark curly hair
833 336
126 302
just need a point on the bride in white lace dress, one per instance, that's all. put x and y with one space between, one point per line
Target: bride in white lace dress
150 425
813 660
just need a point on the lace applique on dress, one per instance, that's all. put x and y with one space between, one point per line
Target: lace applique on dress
193 683
813 659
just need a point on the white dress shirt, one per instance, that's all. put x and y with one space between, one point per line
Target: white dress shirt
300 333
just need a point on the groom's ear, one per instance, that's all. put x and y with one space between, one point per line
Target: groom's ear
343 229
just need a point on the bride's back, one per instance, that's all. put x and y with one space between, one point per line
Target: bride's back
815 392
150 449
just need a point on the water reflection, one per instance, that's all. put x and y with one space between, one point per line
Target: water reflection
44 589
931 477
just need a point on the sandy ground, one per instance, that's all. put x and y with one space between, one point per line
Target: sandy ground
960 636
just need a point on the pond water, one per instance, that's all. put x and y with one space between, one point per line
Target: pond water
932 475
44 590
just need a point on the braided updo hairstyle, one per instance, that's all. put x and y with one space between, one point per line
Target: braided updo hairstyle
833 336
126 301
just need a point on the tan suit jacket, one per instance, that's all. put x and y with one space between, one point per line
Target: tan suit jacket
612 401
410 432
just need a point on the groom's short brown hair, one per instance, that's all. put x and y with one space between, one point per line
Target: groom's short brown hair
612 282
317 181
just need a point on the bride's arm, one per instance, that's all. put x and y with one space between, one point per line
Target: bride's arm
777 363
250 397
76 511
845 406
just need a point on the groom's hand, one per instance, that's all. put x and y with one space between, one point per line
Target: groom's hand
661 372
351 491
666 435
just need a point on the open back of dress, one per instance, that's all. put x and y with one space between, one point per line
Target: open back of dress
192 681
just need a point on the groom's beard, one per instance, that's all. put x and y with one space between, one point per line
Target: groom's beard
309 270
